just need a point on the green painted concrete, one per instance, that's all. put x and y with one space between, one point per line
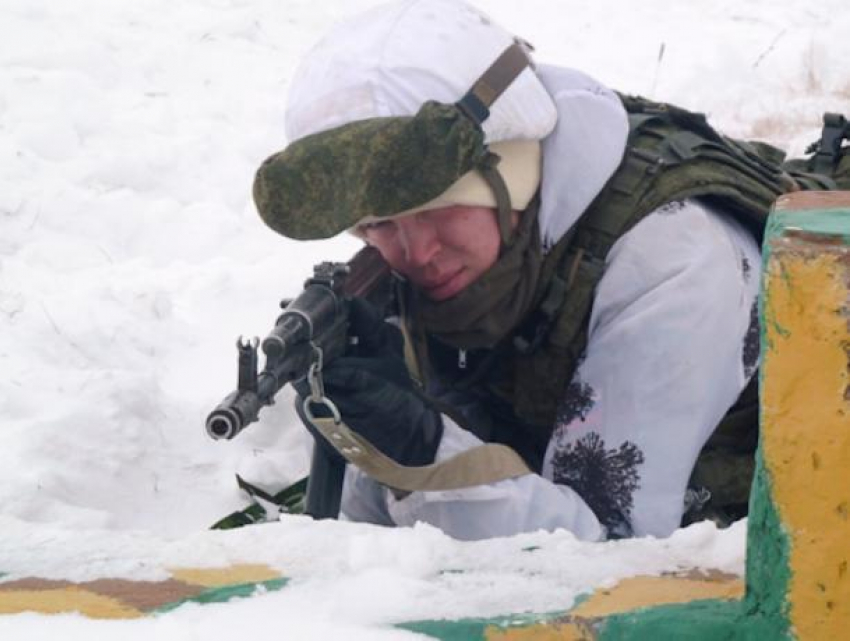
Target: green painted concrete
227 592
474 629
832 222
768 554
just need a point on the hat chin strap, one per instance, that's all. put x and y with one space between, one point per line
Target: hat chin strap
491 175
476 106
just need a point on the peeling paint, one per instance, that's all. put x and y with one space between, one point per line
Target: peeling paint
804 423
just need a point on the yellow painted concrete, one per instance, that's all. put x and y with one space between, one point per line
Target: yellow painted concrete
65 600
645 591
806 426
231 575
92 602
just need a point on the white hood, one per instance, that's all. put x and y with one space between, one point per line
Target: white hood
391 59
583 151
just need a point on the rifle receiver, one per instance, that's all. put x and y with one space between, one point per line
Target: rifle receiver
314 322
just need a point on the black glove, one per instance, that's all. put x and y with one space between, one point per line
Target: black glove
374 393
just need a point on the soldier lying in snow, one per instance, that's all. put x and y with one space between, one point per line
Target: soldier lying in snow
580 275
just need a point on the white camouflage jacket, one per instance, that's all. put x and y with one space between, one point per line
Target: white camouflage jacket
672 342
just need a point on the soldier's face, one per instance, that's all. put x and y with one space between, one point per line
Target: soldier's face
441 251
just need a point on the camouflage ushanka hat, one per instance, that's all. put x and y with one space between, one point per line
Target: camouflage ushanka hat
327 182
403 109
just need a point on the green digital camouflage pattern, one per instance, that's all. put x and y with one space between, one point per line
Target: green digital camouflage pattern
325 183
842 171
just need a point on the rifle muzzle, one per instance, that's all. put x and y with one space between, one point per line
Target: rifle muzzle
233 415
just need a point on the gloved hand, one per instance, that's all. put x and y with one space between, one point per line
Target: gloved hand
374 393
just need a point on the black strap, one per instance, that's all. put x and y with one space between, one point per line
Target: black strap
531 336
253 491
290 500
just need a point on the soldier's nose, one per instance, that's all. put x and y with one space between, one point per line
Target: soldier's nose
419 240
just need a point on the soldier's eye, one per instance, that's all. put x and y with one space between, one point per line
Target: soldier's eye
377 224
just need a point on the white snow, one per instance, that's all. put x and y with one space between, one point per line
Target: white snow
131 258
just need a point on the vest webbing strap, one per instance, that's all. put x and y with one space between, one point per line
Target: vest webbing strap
477 466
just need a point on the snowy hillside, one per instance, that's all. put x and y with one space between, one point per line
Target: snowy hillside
131 258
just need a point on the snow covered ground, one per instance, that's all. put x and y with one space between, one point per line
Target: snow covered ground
131 258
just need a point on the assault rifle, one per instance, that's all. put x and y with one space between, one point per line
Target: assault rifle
311 331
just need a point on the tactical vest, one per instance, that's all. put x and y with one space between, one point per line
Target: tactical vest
671 154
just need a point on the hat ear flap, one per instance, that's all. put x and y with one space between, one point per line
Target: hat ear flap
326 183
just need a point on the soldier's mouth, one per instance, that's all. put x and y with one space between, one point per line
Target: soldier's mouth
445 287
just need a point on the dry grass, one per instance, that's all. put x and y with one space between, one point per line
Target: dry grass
771 127
812 81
